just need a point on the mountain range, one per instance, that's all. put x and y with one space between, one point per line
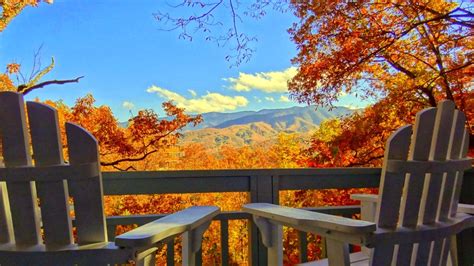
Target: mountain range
251 127
293 119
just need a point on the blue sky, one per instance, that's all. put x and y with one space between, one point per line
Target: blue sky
130 64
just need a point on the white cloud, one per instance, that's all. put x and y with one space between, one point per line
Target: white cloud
128 105
269 82
284 99
351 106
211 102
193 92
270 99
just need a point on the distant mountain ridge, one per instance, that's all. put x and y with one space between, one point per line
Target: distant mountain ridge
293 119
257 127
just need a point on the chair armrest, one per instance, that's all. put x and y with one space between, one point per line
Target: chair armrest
365 197
466 208
372 199
306 219
368 205
170 225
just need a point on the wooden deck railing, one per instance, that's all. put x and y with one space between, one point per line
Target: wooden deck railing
263 185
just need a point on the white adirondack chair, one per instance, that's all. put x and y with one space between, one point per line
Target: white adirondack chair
50 182
416 213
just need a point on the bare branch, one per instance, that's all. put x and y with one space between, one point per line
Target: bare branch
204 22
36 69
25 90
136 159
124 170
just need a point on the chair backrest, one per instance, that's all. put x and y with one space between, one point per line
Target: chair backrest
34 174
421 182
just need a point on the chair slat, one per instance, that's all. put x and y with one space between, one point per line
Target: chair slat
413 187
436 250
419 151
6 228
382 255
404 254
47 150
391 184
445 252
423 253
430 200
457 187
454 153
16 152
87 194
439 150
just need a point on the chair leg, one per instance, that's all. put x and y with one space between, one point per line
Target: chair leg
192 241
453 251
272 235
149 260
146 257
275 252
338 253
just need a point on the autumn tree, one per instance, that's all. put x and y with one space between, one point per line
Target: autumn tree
416 51
121 146
406 55
358 139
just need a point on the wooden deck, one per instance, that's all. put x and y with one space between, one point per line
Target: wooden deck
263 186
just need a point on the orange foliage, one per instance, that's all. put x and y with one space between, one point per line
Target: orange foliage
359 139
405 56
13 68
417 50
145 134
6 83
11 8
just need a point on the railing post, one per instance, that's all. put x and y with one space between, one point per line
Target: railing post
465 240
263 188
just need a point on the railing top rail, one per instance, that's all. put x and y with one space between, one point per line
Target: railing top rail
242 172
238 180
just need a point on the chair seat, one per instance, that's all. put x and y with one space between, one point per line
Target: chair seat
357 259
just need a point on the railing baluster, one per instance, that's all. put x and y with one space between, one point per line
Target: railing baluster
303 246
170 252
111 231
225 242
253 233
324 251
199 257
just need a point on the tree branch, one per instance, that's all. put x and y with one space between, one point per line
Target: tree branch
124 170
137 159
25 90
